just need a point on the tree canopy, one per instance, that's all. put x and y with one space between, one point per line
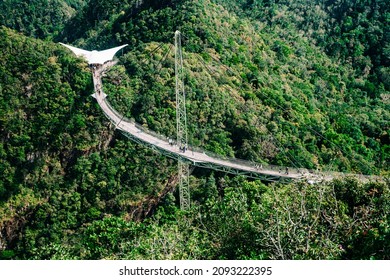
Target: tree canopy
295 83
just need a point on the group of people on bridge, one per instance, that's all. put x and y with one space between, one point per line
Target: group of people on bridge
260 167
182 148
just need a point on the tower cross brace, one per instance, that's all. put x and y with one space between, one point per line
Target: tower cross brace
181 125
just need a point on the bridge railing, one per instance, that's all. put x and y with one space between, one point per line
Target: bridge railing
304 172
137 125
257 166
239 162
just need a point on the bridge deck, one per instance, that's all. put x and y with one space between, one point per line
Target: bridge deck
197 156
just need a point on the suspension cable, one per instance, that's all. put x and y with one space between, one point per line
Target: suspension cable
150 53
282 147
352 155
163 59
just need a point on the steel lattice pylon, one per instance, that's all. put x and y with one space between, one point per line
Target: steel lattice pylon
181 125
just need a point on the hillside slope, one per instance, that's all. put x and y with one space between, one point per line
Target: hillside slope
72 187
283 99
61 163
38 18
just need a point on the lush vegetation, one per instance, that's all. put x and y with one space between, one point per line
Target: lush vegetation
296 83
39 18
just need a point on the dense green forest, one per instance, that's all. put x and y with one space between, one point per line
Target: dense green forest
38 18
296 83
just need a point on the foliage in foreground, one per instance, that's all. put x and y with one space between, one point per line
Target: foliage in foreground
337 220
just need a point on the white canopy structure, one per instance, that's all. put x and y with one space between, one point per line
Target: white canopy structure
95 57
